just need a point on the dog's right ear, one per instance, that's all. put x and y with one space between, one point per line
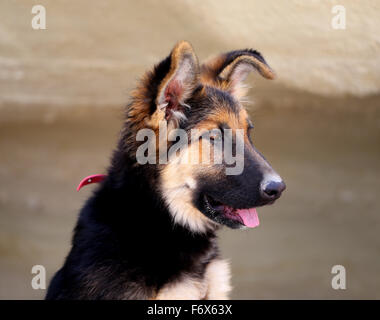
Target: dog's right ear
229 70
177 84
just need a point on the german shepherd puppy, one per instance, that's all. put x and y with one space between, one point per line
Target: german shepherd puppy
148 231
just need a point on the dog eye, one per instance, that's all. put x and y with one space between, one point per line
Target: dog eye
215 136
211 136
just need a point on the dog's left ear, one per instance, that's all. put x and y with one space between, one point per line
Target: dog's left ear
179 83
231 69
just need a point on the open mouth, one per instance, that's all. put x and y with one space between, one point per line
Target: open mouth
247 217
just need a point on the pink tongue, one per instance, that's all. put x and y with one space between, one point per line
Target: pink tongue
249 217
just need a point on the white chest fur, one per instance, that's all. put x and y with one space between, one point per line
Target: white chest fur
215 285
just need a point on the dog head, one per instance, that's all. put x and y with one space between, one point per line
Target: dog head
209 172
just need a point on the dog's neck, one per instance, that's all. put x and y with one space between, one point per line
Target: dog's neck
126 224
130 195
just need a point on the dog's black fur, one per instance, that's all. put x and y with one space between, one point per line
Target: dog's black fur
124 236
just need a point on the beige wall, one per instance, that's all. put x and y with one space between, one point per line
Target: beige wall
93 51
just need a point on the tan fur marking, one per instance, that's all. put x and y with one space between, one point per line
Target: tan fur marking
209 69
218 280
177 185
185 289
215 285
248 60
223 115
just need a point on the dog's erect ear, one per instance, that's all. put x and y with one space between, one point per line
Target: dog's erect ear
232 68
179 83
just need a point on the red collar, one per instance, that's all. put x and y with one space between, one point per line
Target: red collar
91 179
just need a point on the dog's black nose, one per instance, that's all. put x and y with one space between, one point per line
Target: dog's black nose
272 190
